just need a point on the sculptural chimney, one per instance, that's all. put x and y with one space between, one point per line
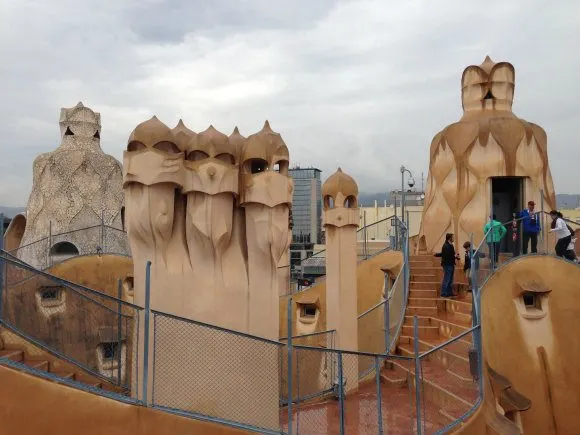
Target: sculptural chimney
489 162
340 196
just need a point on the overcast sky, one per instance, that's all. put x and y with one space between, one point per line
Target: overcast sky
361 84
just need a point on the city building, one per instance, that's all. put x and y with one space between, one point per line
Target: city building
306 205
306 215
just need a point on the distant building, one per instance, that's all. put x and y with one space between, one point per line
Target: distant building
306 205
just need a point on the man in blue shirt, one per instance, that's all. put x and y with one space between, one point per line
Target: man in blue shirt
530 228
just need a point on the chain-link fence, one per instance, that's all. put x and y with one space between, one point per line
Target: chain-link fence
96 239
380 403
92 330
208 371
313 372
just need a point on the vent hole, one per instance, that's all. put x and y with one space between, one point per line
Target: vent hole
532 300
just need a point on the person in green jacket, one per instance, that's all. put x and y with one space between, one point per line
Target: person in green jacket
495 232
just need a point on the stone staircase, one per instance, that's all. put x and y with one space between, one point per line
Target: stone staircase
448 389
27 354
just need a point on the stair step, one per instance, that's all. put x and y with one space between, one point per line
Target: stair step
422 311
14 355
64 375
423 276
391 378
88 380
37 364
423 293
458 306
425 285
423 302
424 331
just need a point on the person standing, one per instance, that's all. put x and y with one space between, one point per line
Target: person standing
448 259
562 233
495 233
530 227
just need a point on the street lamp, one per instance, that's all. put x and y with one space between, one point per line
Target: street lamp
411 183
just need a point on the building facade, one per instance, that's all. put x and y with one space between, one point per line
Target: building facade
306 206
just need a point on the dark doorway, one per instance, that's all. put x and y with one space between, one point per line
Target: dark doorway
507 198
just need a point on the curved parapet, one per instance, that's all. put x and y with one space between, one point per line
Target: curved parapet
529 315
15 231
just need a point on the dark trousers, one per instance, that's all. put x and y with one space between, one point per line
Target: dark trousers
515 247
562 246
533 237
493 253
447 285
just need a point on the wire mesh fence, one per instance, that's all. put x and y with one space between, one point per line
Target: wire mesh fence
91 330
380 403
209 371
55 248
312 371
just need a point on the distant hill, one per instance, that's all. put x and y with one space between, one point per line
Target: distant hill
564 201
11 211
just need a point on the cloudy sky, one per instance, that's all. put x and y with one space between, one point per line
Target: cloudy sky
362 84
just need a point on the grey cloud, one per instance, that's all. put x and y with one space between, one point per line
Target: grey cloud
170 20
365 84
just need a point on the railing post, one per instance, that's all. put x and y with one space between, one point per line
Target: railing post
119 330
2 263
472 281
49 259
365 253
387 319
417 374
396 226
340 393
543 231
379 395
289 376
103 231
146 333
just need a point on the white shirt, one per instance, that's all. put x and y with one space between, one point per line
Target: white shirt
561 229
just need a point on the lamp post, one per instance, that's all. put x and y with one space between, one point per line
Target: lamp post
411 184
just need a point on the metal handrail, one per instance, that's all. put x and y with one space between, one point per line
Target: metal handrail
65 233
312 334
452 340
357 231
215 327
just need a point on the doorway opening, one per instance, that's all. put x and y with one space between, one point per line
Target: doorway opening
507 198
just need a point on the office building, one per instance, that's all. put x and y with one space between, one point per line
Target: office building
306 205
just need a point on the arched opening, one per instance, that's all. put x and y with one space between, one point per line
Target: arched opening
256 166
350 202
64 248
328 202
62 251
